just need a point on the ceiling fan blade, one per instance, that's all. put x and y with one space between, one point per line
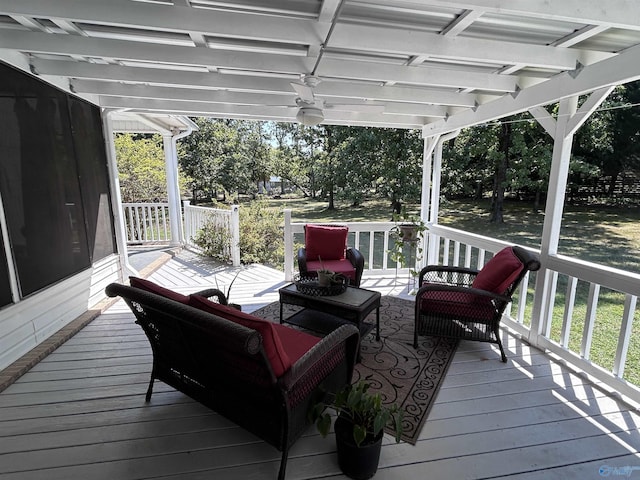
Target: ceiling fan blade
305 92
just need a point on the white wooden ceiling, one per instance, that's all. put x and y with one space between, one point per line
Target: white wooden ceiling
436 65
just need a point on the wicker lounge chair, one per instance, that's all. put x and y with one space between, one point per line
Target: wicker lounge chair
468 304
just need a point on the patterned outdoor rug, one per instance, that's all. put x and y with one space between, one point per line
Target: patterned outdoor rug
404 375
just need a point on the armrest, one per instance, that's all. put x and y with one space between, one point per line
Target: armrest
302 261
315 358
213 292
447 275
356 258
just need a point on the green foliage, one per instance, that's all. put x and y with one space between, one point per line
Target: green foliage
214 239
224 155
366 411
141 168
261 235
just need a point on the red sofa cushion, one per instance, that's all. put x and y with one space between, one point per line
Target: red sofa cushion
295 342
151 287
325 242
282 347
343 266
500 272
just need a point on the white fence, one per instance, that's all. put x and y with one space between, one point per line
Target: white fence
565 322
195 218
146 222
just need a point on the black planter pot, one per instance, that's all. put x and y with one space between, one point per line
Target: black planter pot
359 463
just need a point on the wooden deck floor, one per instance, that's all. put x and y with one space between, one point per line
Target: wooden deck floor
80 413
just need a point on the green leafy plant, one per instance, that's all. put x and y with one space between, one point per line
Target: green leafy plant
364 410
408 231
214 240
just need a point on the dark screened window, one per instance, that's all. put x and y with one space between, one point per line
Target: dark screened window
44 174
88 140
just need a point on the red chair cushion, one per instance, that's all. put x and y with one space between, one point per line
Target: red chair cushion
499 273
339 266
277 354
457 305
295 342
325 242
151 287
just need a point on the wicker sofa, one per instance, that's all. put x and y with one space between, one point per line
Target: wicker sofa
260 375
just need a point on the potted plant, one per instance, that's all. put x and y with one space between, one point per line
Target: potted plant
408 230
361 418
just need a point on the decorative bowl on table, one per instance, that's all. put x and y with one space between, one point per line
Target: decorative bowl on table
310 286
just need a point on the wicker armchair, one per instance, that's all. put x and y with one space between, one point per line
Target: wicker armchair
468 304
325 247
228 367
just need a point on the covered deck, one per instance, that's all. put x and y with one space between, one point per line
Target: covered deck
80 413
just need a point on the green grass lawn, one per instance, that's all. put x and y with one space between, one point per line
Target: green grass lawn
603 235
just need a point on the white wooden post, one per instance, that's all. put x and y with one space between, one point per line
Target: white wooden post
171 167
562 130
427 163
235 235
288 246
116 197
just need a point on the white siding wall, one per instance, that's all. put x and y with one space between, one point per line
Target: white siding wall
31 321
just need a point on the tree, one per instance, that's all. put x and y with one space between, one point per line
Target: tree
141 168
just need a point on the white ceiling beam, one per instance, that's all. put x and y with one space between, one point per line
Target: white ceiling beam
150 52
613 71
125 13
579 35
328 10
336 68
241 83
615 13
94 87
461 23
69 27
30 23
403 41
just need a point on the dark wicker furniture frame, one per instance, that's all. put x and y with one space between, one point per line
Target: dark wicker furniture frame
458 319
223 365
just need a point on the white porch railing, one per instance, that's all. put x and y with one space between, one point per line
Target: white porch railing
146 222
196 217
449 246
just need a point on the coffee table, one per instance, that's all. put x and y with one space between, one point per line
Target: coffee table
323 314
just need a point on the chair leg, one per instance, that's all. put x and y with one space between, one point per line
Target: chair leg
499 342
150 389
283 463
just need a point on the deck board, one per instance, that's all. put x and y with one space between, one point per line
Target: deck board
80 413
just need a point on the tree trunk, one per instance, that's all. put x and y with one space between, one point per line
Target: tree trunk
331 202
500 175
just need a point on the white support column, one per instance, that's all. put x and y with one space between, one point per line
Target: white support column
569 120
116 197
176 183
434 208
173 196
235 235
559 173
288 246
427 168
